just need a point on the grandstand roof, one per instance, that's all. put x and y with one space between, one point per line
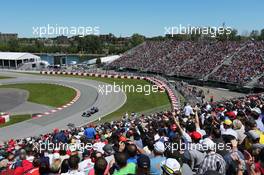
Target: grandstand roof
17 56
107 59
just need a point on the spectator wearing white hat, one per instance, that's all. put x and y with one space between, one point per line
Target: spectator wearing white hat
171 166
56 163
159 149
256 114
240 129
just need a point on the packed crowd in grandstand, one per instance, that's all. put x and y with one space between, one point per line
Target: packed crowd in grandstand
245 65
214 138
226 61
261 81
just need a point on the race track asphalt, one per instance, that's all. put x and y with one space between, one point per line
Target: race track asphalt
11 98
89 97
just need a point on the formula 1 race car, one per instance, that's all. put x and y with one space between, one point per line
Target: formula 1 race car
90 112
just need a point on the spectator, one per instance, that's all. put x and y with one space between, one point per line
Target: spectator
86 164
132 153
108 153
65 166
100 167
59 136
159 149
73 166
143 165
122 166
188 110
212 160
35 170
90 132
171 167
56 163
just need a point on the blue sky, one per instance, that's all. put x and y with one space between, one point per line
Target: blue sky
125 17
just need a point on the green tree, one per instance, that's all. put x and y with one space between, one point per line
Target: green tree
13 45
254 34
137 39
233 35
261 34
90 44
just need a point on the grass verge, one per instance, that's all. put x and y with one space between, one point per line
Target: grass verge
4 77
136 102
16 119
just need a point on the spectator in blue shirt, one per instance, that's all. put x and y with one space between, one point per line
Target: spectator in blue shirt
90 132
155 168
132 153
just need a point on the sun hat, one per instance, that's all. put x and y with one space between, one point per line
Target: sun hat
227 121
171 166
159 147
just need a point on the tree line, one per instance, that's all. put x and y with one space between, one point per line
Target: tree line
93 44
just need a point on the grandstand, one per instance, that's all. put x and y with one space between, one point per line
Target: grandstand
224 61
